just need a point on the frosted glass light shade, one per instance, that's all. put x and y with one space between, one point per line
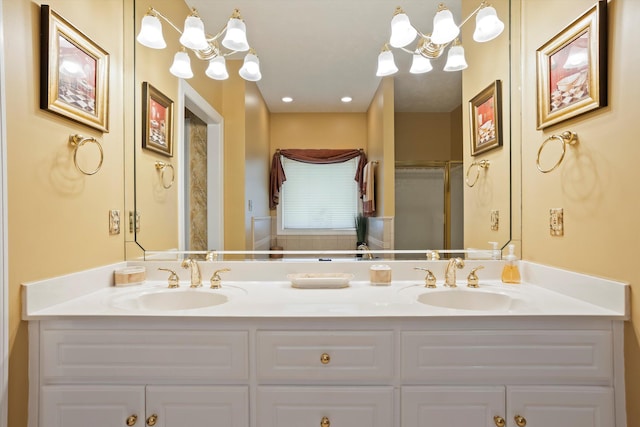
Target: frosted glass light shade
386 64
402 32
250 69
444 29
488 25
181 66
455 59
193 35
217 69
236 36
420 64
150 34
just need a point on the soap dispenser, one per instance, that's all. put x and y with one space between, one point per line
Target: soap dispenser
495 252
510 271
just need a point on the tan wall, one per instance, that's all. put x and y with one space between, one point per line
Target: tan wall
596 183
233 107
380 146
158 207
492 190
428 136
257 158
318 130
58 218
456 133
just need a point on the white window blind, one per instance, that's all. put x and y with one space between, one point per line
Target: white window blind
319 196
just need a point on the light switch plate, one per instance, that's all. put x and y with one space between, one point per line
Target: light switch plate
556 222
495 220
114 221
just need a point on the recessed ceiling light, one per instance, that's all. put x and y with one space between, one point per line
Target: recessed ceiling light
287 99
346 99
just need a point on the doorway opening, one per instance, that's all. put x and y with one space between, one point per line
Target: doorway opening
200 197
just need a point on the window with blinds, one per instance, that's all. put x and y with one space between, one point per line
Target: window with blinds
318 197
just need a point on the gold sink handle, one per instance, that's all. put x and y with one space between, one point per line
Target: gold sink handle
216 280
173 280
324 422
472 278
429 279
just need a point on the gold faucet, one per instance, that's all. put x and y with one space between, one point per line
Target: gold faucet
216 280
450 272
196 275
367 251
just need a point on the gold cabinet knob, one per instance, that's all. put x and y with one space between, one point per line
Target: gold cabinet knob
152 420
132 420
325 358
324 422
499 421
520 420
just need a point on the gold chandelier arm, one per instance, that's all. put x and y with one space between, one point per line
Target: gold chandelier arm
483 4
154 12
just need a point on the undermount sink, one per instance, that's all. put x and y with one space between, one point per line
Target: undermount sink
171 299
466 299
180 300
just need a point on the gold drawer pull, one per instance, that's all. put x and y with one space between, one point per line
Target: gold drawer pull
324 422
132 420
520 420
325 359
151 421
499 421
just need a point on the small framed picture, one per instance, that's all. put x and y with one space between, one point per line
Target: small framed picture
74 72
572 69
485 114
157 114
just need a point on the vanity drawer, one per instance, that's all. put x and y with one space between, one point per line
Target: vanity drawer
325 406
321 357
143 356
507 357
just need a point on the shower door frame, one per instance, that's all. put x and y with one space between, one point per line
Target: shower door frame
446 166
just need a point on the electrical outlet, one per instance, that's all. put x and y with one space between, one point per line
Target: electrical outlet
495 220
134 221
556 222
114 221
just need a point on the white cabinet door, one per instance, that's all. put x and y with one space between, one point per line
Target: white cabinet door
95 406
437 406
557 406
198 406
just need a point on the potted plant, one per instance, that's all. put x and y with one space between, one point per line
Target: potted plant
361 230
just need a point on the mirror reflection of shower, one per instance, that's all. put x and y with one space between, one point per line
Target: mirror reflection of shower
429 206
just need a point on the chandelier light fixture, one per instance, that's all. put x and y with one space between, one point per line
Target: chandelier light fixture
430 46
231 39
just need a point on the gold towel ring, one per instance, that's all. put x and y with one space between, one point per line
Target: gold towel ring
482 164
78 141
566 138
162 167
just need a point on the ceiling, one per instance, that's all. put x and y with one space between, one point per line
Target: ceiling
317 51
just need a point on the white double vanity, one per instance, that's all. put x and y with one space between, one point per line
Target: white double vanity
261 353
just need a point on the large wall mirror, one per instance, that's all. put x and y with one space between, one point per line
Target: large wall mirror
414 126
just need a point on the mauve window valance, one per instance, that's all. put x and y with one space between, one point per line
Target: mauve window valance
314 156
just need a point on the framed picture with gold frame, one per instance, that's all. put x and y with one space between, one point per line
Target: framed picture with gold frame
157 115
74 72
485 115
572 69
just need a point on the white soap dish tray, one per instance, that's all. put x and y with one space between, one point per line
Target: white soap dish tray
320 280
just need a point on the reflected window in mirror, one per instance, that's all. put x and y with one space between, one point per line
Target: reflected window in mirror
318 197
